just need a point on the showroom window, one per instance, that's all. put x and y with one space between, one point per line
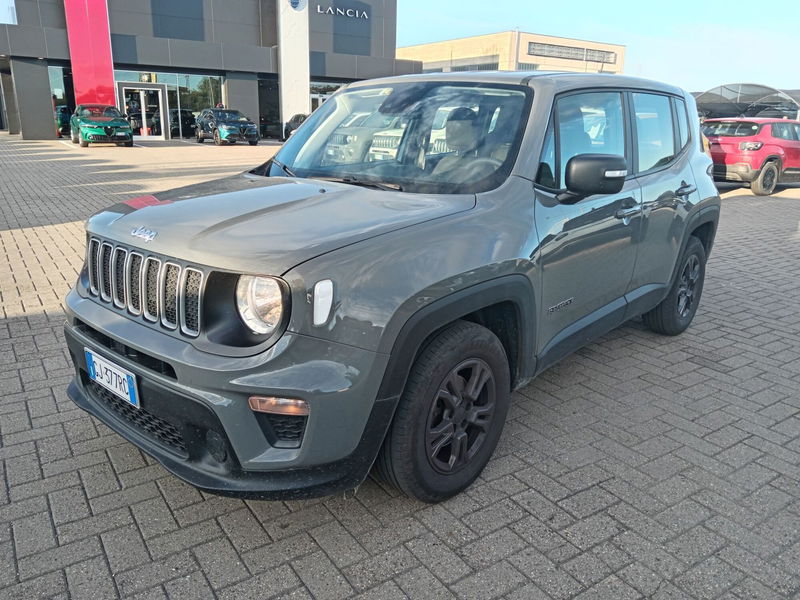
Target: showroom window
187 94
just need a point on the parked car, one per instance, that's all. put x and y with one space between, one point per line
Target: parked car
352 140
271 127
185 118
292 124
225 126
93 123
761 152
277 333
62 117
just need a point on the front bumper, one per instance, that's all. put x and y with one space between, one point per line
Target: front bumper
195 420
95 135
238 136
735 172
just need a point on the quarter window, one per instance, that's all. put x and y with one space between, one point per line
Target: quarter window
683 122
655 137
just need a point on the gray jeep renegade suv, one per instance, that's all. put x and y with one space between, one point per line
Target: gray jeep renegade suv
277 333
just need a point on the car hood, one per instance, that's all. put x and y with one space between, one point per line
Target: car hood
102 121
236 123
265 225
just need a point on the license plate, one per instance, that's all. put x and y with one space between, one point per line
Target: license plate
121 134
112 377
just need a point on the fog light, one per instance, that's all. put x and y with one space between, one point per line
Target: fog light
279 406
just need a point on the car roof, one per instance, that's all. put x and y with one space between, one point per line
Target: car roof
750 120
97 105
564 80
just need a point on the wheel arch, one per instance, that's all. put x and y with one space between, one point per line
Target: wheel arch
504 305
702 225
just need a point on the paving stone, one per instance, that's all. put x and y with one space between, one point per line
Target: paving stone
642 465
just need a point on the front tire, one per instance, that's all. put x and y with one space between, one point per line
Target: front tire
72 137
83 142
217 139
766 181
674 314
253 142
450 416
199 136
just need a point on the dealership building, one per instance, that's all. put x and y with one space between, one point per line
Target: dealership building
169 59
517 51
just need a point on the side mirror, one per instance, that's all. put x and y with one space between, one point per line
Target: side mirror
589 174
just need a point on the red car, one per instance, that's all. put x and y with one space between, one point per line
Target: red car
761 152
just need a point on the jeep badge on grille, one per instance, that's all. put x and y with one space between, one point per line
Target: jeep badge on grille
146 234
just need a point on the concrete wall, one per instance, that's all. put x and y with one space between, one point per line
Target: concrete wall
510 50
32 91
9 103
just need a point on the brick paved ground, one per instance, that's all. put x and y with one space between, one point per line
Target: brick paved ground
641 467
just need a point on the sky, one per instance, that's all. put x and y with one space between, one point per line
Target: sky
696 44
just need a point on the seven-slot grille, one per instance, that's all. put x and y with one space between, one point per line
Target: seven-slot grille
161 291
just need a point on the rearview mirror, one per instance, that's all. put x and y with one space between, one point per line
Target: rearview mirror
589 174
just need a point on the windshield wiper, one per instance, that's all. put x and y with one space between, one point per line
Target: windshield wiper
349 179
284 168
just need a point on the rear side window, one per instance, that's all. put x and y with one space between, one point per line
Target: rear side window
592 122
783 131
683 122
731 128
655 137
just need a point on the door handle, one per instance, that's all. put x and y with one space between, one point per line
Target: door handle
628 208
685 189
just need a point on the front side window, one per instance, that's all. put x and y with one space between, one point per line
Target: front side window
586 123
437 137
655 137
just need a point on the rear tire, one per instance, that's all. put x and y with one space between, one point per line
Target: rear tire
674 314
766 181
72 137
450 416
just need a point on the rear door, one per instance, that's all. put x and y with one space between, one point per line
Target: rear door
662 149
790 140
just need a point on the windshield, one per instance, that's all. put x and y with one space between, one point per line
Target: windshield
229 115
730 128
435 137
100 111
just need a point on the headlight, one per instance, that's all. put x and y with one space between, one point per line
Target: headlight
260 303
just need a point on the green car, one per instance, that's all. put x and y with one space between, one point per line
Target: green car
92 123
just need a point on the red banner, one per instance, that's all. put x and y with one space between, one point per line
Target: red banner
90 51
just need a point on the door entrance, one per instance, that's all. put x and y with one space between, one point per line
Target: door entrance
146 110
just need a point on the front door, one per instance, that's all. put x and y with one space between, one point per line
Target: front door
146 111
587 248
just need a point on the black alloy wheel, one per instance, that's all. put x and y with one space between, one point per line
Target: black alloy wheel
450 416
690 275
460 416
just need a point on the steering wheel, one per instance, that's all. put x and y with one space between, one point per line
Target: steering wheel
484 166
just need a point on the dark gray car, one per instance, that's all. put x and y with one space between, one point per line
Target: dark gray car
279 332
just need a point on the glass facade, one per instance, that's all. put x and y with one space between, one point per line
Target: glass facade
62 95
571 53
187 95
